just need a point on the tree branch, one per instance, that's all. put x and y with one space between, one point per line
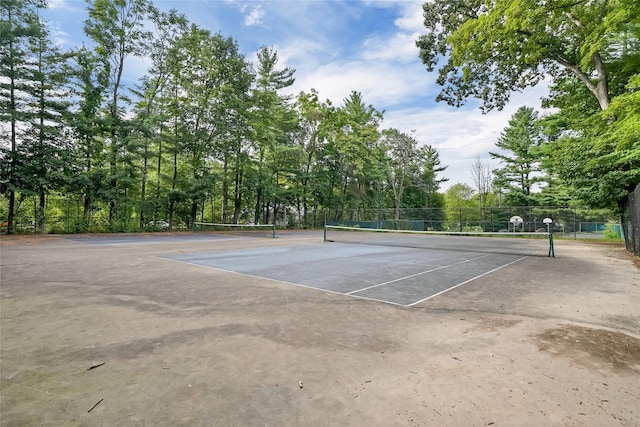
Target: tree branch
603 84
578 72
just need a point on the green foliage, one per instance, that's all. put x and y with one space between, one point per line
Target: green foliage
352 165
519 142
411 171
204 134
308 137
598 156
611 233
495 48
273 122
460 205
590 49
35 103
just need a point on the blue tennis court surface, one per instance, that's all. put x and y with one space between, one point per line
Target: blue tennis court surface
404 276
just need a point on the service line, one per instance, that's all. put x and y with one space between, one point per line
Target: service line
465 282
416 274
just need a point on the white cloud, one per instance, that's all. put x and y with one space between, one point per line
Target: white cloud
460 134
67 23
300 52
398 47
255 17
63 5
60 37
383 84
411 18
386 69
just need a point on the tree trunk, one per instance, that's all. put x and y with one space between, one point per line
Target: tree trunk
194 213
87 193
173 187
86 207
158 175
12 166
258 205
41 209
225 191
237 196
113 183
143 189
11 215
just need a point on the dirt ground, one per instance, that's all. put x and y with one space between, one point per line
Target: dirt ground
117 336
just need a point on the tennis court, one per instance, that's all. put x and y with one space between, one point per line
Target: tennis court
242 329
405 270
392 266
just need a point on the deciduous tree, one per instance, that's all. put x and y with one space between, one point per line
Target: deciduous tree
488 50
117 28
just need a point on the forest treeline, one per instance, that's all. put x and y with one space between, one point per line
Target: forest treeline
204 134
207 134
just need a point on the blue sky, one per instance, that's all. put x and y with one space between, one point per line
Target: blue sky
337 47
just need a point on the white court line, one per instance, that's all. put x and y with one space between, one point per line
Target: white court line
465 282
416 274
350 293
315 288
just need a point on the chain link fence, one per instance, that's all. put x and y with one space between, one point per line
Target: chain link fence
68 215
570 222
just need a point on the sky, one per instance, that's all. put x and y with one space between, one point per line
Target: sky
338 47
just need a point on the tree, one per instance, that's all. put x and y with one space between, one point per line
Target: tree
429 182
458 202
44 147
482 178
312 117
493 49
200 116
117 28
169 28
402 153
353 160
19 25
595 155
272 121
520 140
209 70
410 166
232 126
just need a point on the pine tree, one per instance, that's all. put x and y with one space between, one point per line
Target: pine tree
518 141
19 26
44 148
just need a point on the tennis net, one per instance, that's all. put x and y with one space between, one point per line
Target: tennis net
512 243
246 229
